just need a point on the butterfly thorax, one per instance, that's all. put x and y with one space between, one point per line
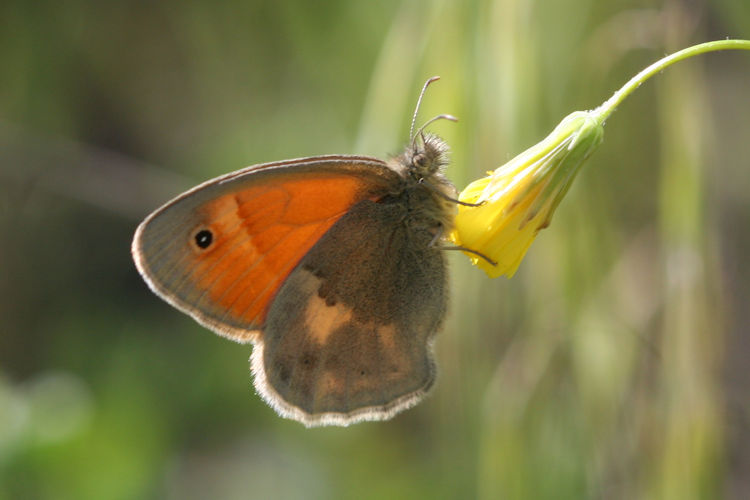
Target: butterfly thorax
426 193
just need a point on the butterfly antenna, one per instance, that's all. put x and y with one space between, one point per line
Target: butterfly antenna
419 102
434 119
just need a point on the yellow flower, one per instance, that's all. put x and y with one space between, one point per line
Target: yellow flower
519 198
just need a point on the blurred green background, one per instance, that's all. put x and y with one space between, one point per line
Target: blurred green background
613 365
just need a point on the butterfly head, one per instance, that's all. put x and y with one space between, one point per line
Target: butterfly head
424 157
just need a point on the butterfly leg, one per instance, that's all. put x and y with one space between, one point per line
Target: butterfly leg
448 198
439 234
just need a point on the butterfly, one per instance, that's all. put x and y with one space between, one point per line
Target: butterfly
330 266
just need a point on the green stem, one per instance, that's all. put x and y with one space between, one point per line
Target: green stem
602 112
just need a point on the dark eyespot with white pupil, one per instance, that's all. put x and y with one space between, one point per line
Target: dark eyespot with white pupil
204 238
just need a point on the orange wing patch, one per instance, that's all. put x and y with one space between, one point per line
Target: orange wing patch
260 233
321 319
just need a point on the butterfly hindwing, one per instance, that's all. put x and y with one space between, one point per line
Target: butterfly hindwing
348 336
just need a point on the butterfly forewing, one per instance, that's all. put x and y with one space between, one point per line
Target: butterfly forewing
221 251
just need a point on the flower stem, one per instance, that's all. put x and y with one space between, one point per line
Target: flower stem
602 112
